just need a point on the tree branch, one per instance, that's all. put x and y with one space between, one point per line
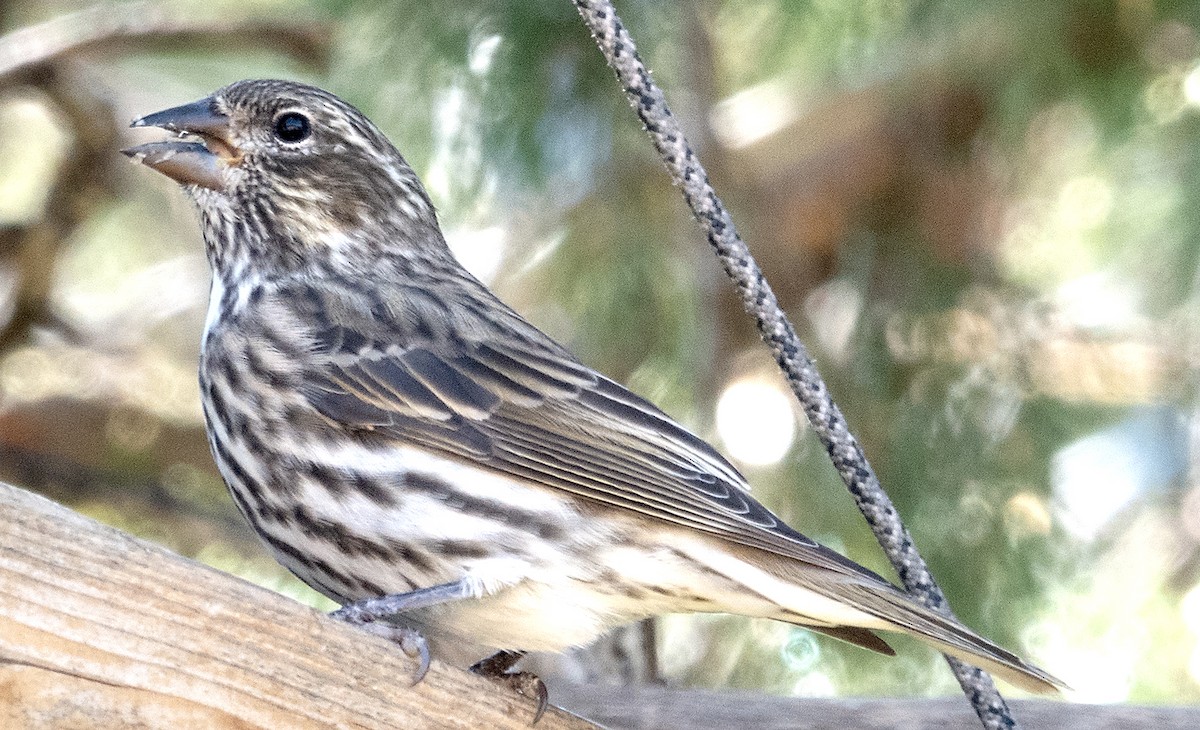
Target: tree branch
149 26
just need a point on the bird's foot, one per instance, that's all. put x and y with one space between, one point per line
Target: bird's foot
498 666
409 640
372 614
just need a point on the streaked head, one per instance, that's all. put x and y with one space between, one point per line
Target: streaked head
293 163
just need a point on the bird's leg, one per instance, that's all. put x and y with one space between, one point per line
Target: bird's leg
370 614
497 667
374 609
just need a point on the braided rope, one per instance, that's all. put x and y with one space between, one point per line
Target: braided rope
777 332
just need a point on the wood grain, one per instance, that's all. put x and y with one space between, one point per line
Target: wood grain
99 629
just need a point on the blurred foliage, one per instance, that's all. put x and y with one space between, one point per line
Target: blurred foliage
982 217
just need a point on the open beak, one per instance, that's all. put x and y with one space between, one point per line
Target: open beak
200 163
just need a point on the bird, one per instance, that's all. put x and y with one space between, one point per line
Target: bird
410 446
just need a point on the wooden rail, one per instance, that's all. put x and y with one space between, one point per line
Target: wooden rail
99 629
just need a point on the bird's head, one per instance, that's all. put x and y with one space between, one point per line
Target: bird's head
286 174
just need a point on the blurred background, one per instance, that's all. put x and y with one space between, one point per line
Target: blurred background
982 217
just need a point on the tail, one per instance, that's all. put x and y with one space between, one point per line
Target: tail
897 611
815 587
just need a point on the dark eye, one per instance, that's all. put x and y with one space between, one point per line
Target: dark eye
292 127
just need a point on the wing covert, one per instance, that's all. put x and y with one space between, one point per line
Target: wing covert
525 407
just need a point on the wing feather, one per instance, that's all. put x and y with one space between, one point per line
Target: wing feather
523 406
455 389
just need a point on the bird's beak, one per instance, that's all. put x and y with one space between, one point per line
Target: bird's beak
190 163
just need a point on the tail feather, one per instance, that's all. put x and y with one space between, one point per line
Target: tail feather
864 638
900 612
849 603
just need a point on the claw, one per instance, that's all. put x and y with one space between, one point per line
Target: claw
497 666
540 692
529 685
409 640
413 644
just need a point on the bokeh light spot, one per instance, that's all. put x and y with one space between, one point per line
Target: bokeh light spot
801 652
483 53
1084 202
755 421
1026 513
1191 86
480 250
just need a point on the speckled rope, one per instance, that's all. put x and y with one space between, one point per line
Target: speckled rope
757 298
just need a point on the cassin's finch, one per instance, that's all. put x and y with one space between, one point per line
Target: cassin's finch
390 428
